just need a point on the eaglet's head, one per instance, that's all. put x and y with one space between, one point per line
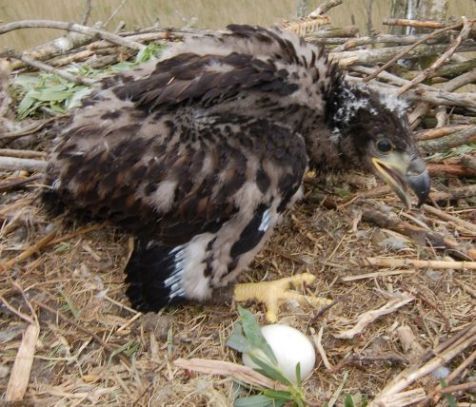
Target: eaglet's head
370 130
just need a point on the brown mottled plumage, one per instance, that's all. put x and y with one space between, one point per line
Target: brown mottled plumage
200 153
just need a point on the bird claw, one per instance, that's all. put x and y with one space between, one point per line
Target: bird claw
272 293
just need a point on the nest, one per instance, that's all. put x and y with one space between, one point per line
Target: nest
401 330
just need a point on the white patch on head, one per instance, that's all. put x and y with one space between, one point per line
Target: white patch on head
188 279
162 198
393 103
351 105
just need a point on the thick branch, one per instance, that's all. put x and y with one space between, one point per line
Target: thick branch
64 25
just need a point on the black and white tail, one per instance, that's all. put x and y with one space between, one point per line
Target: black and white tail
151 276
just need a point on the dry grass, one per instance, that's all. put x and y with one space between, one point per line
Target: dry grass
93 349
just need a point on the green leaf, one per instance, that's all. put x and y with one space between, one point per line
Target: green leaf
237 341
348 401
254 401
252 332
278 394
298 374
149 52
75 99
25 106
269 369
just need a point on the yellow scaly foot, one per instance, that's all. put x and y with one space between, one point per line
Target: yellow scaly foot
272 293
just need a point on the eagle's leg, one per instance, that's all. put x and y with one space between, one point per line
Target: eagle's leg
272 293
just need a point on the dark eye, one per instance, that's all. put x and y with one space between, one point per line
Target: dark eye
384 146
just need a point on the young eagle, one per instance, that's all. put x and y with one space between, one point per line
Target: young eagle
199 154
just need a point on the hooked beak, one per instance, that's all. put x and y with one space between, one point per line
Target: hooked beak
400 171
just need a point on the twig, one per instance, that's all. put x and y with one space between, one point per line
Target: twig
67 26
435 395
453 219
240 373
20 375
15 311
467 191
435 264
440 60
65 319
377 274
414 23
368 317
11 152
445 143
431 134
47 68
317 339
405 51
29 251
114 13
26 131
414 373
371 56
87 13
347 44
418 234
324 8
456 170
459 387
18 182
27 164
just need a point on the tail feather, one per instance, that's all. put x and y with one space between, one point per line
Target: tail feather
149 272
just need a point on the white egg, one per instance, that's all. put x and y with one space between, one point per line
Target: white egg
290 347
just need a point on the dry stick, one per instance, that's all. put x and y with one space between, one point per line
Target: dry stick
439 132
324 8
413 23
20 374
446 216
459 387
377 274
67 26
26 131
371 56
410 375
416 233
454 140
368 317
317 339
468 191
16 183
29 251
241 373
405 51
450 86
47 68
87 13
456 170
65 319
114 13
27 164
452 376
347 44
435 65
436 264
12 152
